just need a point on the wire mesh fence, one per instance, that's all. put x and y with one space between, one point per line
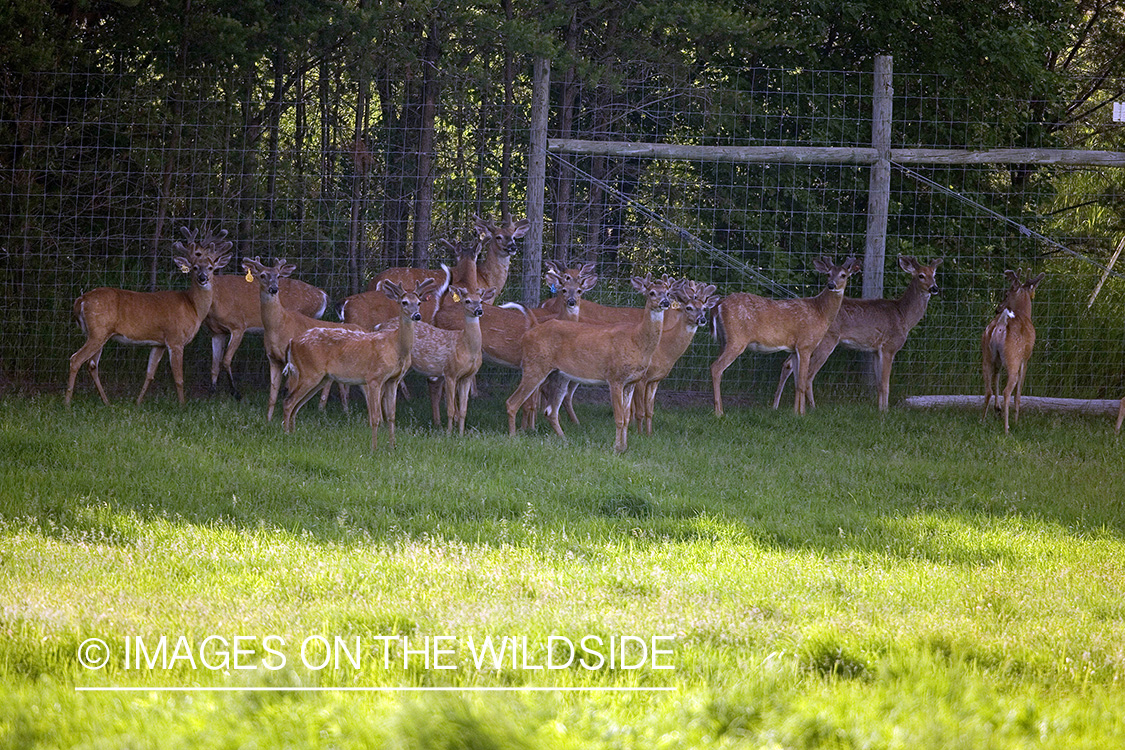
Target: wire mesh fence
100 170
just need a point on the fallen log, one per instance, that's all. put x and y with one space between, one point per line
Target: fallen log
1027 403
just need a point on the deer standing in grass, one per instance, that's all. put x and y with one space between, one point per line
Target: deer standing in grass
767 325
691 301
450 358
237 311
165 320
872 325
567 285
280 325
375 360
1007 343
617 355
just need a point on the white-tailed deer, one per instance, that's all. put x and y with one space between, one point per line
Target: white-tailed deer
1008 341
499 244
872 325
691 301
450 359
768 325
371 309
280 325
617 355
165 320
375 360
236 311
567 285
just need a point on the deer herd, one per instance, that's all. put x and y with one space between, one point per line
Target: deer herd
444 324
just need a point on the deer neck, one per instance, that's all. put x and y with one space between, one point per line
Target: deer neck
201 296
493 270
912 304
405 336
652 325
828 302
471 334
272 310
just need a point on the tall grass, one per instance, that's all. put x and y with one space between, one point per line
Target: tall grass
845 579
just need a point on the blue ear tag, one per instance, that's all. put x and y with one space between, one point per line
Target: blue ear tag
554 289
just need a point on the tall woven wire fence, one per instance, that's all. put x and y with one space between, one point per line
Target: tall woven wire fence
98 173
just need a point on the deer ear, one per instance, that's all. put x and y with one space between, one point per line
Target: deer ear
935 262
855 266
823 264
183 264
638 283
487 294
907 263
520 228
1013 277
588 281
1035 282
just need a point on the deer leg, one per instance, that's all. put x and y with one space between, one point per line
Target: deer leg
621 397
802 381
436 387
95 369
554 392
275 387
450 388
217 350
819 356
301 390
176 362
529 382
154 357
463 389
569 400
786 371
987 366
390 404
650 404
887 360
1019 388
374 410
1120 416
88 352
729 354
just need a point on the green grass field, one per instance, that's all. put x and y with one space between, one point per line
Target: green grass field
842 580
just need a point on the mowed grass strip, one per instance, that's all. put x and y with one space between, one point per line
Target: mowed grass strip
843 579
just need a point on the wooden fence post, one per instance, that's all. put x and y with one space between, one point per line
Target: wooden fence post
879 188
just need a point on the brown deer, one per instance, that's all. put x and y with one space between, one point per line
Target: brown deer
872 325
450 359
499 244
280 325
767 325
375 360
690 302
1007 342
236 311
617 355
165 320
567 285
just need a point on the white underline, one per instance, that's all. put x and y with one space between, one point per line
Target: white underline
168 689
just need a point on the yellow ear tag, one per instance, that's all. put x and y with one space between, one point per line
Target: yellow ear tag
676 306
249 277
185 269
456 296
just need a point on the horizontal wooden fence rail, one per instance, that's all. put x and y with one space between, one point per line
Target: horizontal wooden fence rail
837 154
